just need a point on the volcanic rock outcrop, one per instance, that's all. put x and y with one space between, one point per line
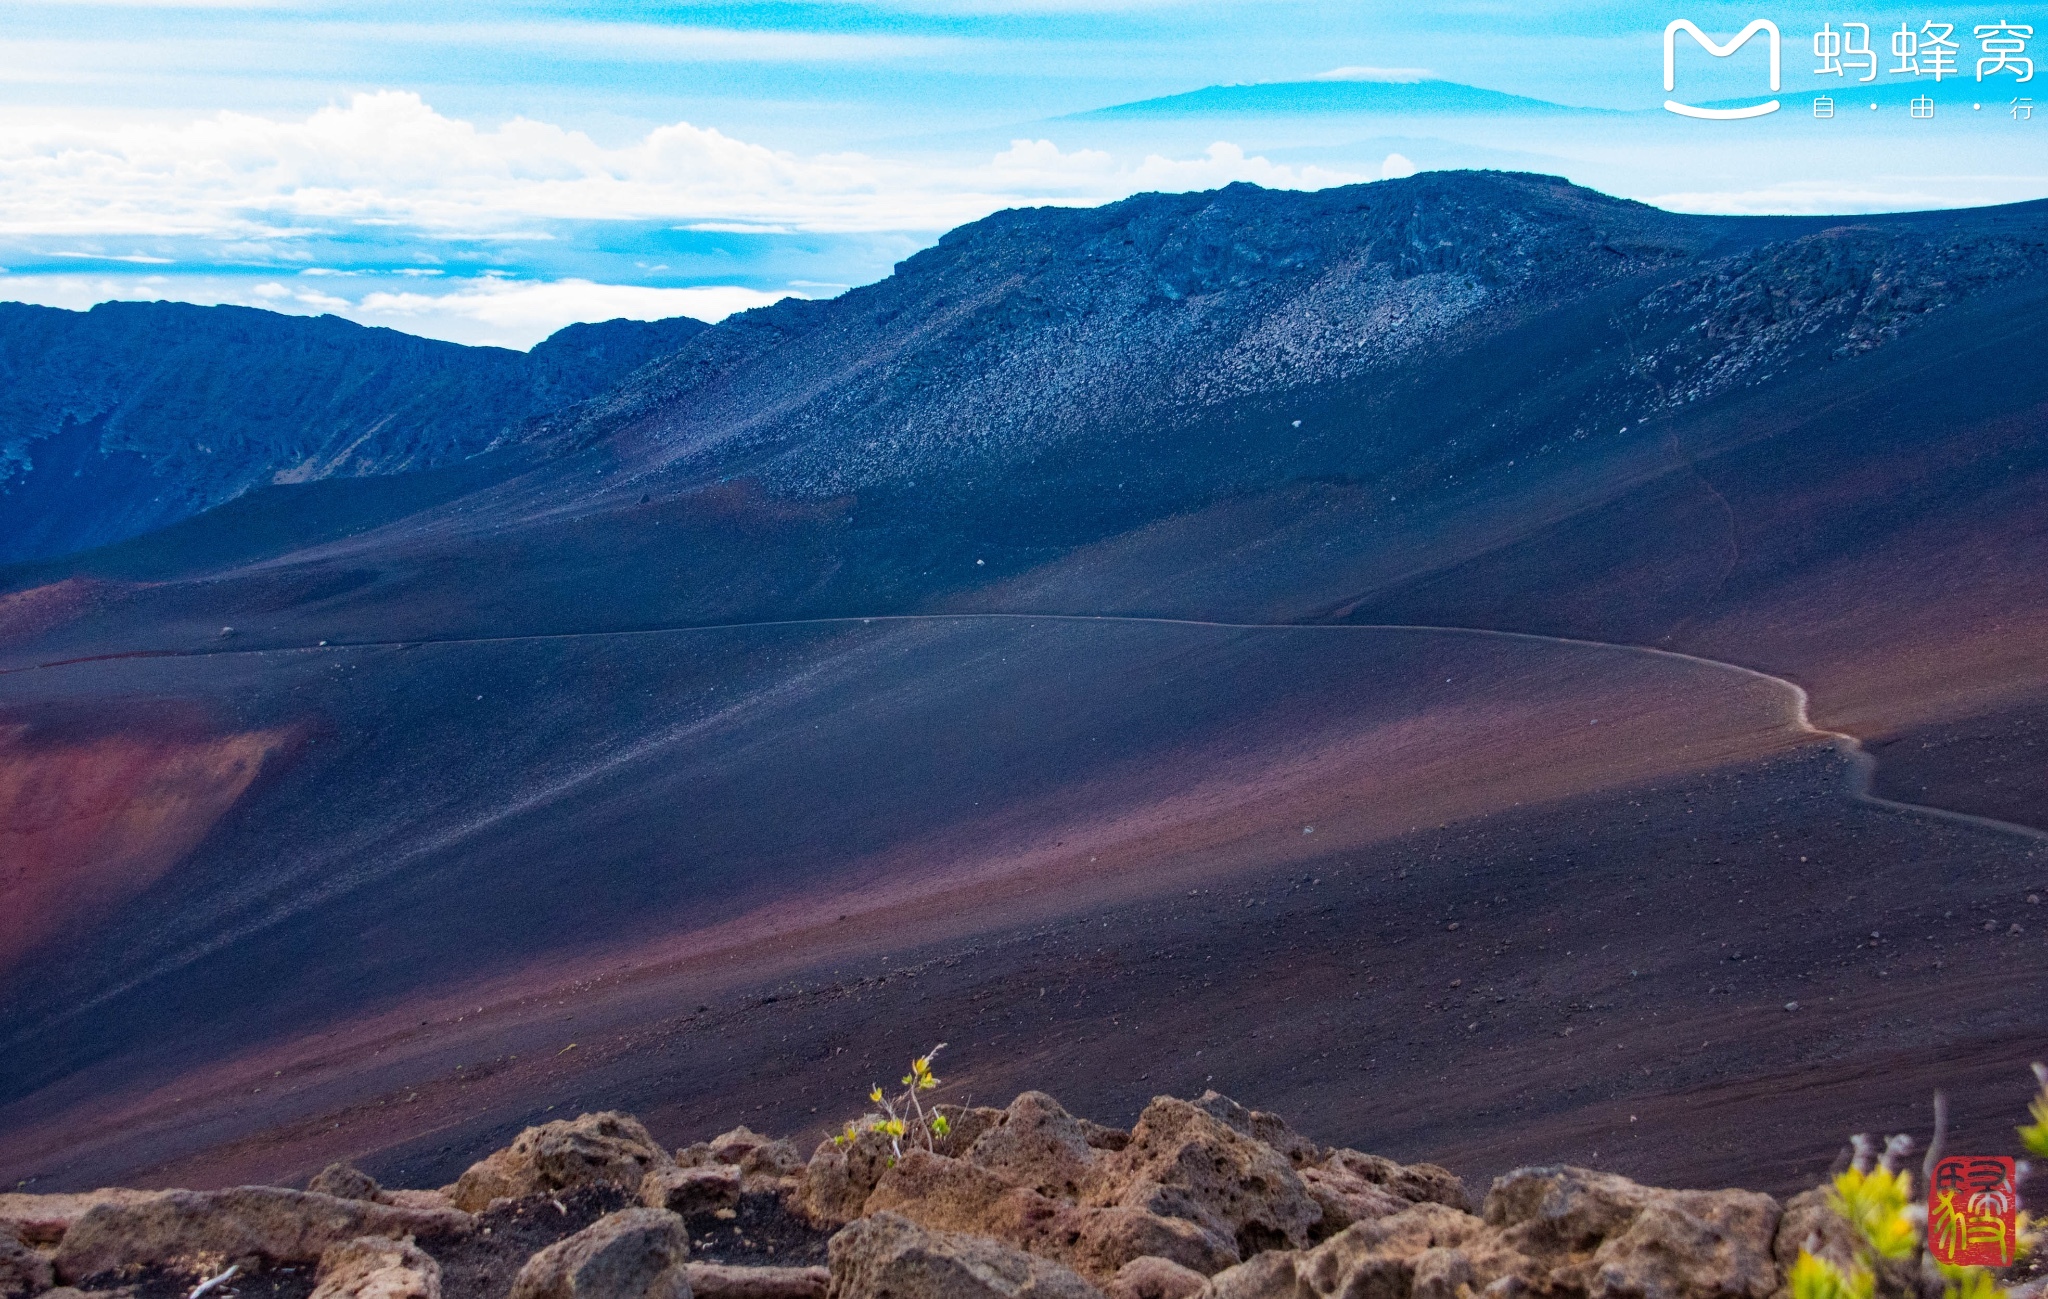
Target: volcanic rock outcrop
1200 1199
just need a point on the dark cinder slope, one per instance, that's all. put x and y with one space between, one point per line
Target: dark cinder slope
457 789
1036 332
134 415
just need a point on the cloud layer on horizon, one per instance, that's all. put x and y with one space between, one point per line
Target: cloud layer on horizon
485 310
388 159
386 211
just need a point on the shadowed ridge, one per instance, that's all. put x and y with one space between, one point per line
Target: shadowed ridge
136 415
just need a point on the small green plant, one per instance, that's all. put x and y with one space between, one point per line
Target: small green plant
902 1118
1874 1203
1968 1283
1875 1200
1813 1278
2034 1136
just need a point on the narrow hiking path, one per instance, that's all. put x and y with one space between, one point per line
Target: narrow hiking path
1862 765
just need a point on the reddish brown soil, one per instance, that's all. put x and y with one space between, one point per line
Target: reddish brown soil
87 825
33 612
1611 957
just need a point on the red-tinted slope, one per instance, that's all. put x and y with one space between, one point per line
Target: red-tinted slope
697 791
1612 957
89 822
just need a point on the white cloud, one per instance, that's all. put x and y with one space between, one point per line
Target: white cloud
657 41
519 313
1402 76
1824 198
486 310
1397 167
388 160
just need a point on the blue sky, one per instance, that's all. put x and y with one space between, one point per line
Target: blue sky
488 172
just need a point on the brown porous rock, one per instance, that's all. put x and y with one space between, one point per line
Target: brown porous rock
887 1256
1184 1162
1347 1198
1268 1129
723 1281
953 1195
964 1126
1037 1144
1415 1183
703 1189
375 1268
268 1222
1425 1252
1155 1278
23 1271
344 1181
837 1182
43 1219
609 1148
631 1254
1614 1239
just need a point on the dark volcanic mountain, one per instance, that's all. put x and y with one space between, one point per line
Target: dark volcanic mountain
135 415
1408 655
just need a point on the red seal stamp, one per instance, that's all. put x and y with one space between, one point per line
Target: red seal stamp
1973 1208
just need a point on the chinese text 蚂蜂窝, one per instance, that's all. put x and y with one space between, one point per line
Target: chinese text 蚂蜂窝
1931 51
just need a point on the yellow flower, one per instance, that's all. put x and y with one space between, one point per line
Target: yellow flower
1875 1204
875 1094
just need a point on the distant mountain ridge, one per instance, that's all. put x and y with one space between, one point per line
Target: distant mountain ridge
1038 328
1037 334
134 415
1428 97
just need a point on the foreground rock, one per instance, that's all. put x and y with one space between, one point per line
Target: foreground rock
1614 1239
43 1219
23 1271
375 1268
632 1254
890 1257
1427 1251
607 1148
1201 1199
266 1222
954 1195
835 1185
345 1182
762 1161
1184 1162
719 1281
1036 1143
1412 1183
1155 1278
706 1188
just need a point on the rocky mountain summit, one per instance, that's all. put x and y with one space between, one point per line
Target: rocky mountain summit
1200 1199
1050 334
1032 329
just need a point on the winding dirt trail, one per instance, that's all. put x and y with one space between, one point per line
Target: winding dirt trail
1862 765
